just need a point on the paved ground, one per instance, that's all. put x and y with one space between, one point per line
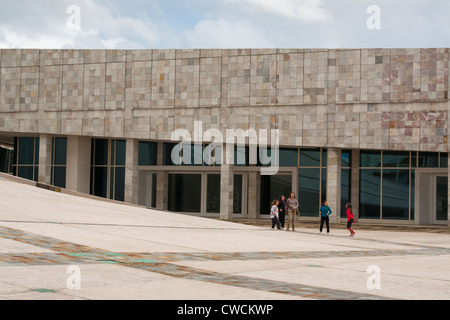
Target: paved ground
59 246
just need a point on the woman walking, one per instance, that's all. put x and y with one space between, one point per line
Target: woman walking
325 213
350 219
274 214
291 207
282 210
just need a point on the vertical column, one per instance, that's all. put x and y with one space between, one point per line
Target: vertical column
254 194
334 182
45 158
162 180
131 171
78 163
226 191
355 183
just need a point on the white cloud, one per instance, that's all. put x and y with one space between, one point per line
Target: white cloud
225 34
304 10
46 26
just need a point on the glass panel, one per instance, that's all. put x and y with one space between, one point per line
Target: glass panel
241 156
59 176
111 184
428 159
370 159
273 187
153 205
100 181
120 152
310 157
444 160
213 193
184 192
346 160
26 172
196 155
213 155
413 197
441 198
101 152
396 194
323 196
396 159
167 154
147 153
36 153
309 192
26 151
237 195
324 157
346 179
370 193
288 158
60 148
119 185
36 173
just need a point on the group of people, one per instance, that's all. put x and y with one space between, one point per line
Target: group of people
289 206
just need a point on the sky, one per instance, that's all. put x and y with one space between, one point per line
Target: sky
224 24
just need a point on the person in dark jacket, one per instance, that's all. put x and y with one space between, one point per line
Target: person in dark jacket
282 210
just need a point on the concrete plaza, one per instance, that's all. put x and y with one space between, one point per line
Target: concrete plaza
55 245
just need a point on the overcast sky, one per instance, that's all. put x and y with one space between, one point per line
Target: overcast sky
180 24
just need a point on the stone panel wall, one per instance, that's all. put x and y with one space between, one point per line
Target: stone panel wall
352 98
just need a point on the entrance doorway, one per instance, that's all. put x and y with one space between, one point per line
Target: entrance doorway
272 187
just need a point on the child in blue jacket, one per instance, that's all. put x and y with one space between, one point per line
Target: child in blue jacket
324 213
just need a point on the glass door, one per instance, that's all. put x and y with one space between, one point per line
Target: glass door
440 212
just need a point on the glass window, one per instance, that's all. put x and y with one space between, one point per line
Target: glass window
396 159
444 160
346 160
346 179
119 184
370 193
120 146
60 151
309 191
413 181
237 194
26 151
213 193
370 159
428 160
167 154
101 152
59 176
147 153
100 182
288 158
213 155
184 195
241 156
26 172
309 157
395 194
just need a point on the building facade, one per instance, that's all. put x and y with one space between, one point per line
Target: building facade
366 126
